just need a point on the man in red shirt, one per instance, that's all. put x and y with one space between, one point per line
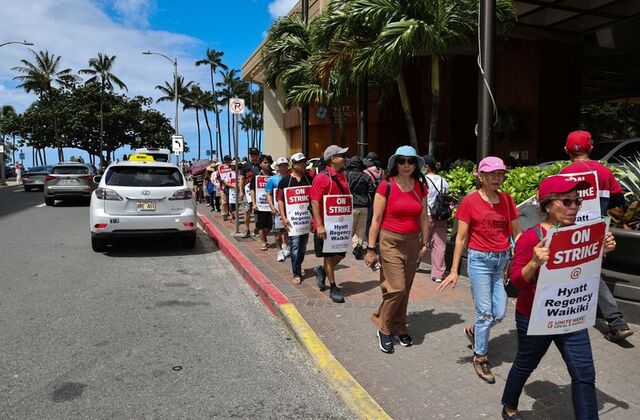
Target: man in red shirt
328 182
578 147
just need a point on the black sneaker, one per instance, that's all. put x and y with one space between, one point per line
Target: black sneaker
320 278
225 217
335 294
404 340
385 342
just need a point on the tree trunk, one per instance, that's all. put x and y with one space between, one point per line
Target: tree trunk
198 124
334 127
406 107
44 153
343 135
13 151
101 121
435 103
206 120
229 130
217 111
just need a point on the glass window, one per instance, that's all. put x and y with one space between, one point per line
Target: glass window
629 150
70 170
158 157
601 149
143 176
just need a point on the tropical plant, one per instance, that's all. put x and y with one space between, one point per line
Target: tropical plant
214 60
200 100
100 71
232 87
8 127
40 77
169 93
628 215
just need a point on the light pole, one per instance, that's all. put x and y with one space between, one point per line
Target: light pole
174 61
3 172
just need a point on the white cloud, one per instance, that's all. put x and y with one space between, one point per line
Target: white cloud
279 8
135 12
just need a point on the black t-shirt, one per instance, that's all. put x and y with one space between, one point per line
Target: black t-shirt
252 185
289 181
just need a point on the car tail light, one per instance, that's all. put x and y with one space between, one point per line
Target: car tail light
185 194
188 224
87 177
49 177
107 194
101 226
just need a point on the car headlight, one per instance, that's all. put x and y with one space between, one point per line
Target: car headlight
107 194
185 194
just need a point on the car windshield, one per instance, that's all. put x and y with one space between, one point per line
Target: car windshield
600 150
70 170
143 176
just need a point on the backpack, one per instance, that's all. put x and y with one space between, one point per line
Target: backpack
210 187
441 209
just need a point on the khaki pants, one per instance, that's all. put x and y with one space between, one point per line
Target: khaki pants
225 203
399 261
359 225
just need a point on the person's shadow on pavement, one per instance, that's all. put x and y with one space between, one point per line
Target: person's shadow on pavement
428 321
501 348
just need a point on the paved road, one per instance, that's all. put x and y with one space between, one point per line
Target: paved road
148 330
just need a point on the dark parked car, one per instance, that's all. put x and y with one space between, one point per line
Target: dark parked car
34 177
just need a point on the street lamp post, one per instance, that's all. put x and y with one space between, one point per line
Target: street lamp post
174 61
3 172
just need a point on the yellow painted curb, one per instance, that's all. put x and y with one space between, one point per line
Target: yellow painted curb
356 397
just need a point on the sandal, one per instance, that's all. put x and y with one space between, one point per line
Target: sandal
296 280
264 247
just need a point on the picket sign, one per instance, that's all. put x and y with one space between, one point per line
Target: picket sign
277 220
566 298
247 193
261 193
232 189
590 209
297 203
338 221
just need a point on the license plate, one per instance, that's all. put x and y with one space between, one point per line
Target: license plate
146 206
70 181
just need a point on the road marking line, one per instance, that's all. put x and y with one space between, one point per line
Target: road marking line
20 190
40 205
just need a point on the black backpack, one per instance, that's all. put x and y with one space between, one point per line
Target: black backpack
441 209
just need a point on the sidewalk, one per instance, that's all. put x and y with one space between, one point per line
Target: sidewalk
434 378
11 183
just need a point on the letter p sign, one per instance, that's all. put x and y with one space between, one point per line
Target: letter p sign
236 105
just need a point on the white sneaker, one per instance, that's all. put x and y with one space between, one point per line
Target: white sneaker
280 256
286 250
437 280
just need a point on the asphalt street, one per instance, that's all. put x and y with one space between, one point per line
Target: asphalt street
147 330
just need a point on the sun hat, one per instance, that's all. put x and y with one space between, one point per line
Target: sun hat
578 141
406 151
490 164
297 157
333 150
558 184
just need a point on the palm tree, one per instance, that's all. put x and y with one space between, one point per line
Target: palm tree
100 72
167 90
407 31
214 60
7 126
40 77
232 87
200 100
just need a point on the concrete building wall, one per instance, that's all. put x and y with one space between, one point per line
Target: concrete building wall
276 139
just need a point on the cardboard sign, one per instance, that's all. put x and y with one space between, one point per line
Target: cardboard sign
338 220
225 172
232 189
261 193
566 297
247 193
297 203
277 220
590 209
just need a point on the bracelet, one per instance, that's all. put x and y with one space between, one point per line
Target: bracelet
371 248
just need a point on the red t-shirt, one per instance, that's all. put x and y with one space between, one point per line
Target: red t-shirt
403 209
607 183
324 184
489 228
521 257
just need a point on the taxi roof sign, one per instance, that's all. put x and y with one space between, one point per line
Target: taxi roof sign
141 157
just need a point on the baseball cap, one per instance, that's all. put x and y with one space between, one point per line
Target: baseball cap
254 151
333 150
281 161
578 141
557 184
226 157
490 164
430 161
297 157
370 160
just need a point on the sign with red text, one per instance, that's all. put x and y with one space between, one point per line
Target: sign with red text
232 189
590 209
225 172
338 221
277 220
566 298
297 201
261 193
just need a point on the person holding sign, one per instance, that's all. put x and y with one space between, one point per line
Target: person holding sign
282 239
578 147
487 221
224 171
294 204
558 197
264 219
398 225
331 202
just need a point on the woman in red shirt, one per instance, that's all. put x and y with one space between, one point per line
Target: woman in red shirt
558 198
487 220
399 221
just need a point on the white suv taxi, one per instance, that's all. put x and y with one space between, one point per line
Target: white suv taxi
141 197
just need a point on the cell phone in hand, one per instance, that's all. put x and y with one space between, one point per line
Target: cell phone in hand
375 266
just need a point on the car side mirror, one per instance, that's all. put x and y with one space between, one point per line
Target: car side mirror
96 179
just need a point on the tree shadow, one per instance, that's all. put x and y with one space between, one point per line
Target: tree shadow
350 288
428 321
548 394
502 348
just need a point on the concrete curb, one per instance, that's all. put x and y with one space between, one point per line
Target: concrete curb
351 392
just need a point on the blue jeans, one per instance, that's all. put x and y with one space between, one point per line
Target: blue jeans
298 247
575 349
489 297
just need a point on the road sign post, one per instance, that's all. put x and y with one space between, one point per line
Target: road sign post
177 146
236 107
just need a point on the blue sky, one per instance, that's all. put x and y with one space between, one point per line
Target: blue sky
77 29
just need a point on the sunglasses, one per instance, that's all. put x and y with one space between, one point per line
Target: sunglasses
403 160
566 202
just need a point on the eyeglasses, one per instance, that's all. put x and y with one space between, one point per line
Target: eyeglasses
566 202
403 160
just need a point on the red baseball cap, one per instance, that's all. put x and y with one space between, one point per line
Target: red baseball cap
558 184
578 142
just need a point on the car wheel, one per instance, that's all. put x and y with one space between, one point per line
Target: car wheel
27 189
49 201
98 244
189 241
